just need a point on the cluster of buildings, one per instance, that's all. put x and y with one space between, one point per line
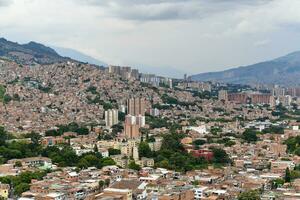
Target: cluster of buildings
62 93
122 184
274 97
195 86
156 81
124 72
254 167
127 73
247 98
48 96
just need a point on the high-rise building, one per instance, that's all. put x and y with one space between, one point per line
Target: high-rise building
278 91
132 131
185 77
170 83
294 92
285 100
150 79
111 117
223 95
135 118
250 98
132 126
114 69
136 106
140 121
125 72
135 74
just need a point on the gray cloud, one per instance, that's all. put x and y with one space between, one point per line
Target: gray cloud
151 10
194 36
4 2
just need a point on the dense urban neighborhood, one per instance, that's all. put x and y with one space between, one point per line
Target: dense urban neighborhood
70 130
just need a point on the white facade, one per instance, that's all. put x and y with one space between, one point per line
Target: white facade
154 112
199 192
104 153
141 121
199 129
122 108
111 117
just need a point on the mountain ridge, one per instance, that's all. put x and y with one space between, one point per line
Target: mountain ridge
33 53
284 70
29 54
77 55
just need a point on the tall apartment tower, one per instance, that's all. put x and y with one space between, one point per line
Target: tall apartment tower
223 95
131 127
278 91
111 117
136 106
171 84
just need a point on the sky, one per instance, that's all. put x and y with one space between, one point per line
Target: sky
168 36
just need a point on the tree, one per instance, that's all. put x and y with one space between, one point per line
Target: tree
249 135
96 148
22 187
2 92
295 174
277 183
144 150
199 142
82 131
121 116
134 166
215 130
3 135
172 142
220 156
34 137
169 100
35 141
83 164
63 157
107 182
117 128
6 99
107 106
274 129
229 143
112 151
93 160
195 183
52 132
18 164
101 184
156 122
107 162
293 145
249 195
178 161
287 177
21 182
163 164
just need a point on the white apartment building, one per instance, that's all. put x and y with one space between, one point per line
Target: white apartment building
111 117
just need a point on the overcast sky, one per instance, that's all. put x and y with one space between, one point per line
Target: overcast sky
187 35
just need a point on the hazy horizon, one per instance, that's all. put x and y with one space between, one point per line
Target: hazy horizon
191 36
